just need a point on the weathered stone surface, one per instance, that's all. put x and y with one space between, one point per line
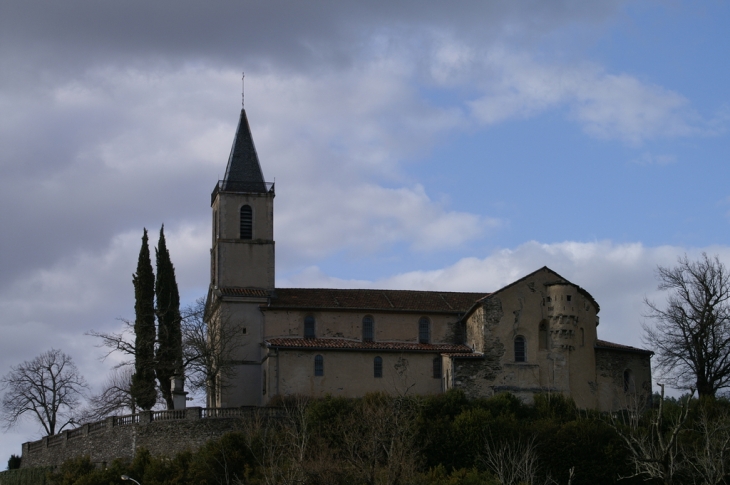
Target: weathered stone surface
121 438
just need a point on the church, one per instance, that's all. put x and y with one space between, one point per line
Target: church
535 335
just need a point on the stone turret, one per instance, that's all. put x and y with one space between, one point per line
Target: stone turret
561 301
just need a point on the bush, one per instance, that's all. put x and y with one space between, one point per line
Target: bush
14 462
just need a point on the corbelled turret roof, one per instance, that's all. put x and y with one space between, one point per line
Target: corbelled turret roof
243 172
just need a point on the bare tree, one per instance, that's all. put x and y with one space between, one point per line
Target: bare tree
208 348
513 462
691 336
279 445
653 450
114 398
48 388
379 439
708 459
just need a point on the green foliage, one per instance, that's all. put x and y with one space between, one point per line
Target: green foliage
14 462
25 476
590 446
142 387
554 407
379 439
169 333
72 471
506 405
222 460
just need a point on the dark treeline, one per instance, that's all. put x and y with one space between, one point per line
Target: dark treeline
444 440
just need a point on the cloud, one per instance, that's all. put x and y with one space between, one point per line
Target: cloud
610 106
648 158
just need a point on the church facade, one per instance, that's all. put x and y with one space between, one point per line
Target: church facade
536 335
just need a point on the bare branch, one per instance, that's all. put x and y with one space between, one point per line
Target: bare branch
122 342
691 334
48 388
208 347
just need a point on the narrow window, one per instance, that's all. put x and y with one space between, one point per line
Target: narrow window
309 326
215 226
459 333
214 256
627 380
246 222
378 367
318 366
582 337
520 349
543 336
367 329
424 330
437 367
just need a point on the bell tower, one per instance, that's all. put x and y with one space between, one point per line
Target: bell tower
241 273
242 253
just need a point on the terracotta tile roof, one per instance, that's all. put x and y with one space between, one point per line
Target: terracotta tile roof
389 300
343 344
603 344
462 355
235 291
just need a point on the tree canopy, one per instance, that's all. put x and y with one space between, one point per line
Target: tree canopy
142 387
48 388
169 336
691 333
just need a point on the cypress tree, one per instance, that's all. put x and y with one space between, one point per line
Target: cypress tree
169 335
143 380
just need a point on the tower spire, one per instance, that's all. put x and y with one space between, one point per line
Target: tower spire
243 172
243 76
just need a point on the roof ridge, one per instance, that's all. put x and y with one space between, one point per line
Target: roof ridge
485 293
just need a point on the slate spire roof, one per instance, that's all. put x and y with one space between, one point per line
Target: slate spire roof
243 172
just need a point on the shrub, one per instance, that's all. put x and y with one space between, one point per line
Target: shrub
14 462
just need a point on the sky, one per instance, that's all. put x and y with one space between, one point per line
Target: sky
414 145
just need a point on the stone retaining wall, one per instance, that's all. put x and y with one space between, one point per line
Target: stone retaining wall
163 433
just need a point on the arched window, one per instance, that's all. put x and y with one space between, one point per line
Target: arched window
378 367
437 367
367 329
627 380
424 330
318 366
246 222
520 349
543 336
309 326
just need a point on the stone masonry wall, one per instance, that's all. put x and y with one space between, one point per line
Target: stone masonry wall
163 433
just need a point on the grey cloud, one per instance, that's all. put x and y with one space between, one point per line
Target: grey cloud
68 35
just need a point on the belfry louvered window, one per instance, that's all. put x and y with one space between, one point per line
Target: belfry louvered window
367 329
246 222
